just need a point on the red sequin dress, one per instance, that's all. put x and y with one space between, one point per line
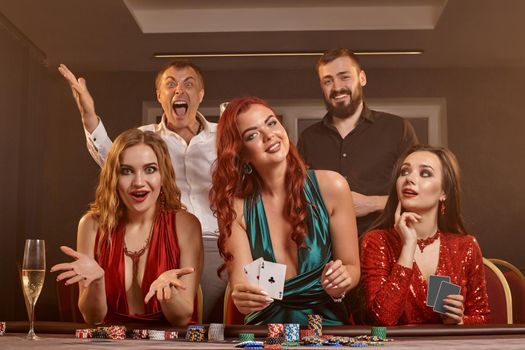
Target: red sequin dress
163 255
396 295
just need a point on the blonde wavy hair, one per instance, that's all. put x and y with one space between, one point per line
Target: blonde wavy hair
108 208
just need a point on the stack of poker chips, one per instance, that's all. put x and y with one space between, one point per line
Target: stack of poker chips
195 333
83 333
116 332
306 333
2 328
275 335
171 335
99 333
251 344
315 322
246 337
313 340
291 332
138 334
379 332
216 332
156 334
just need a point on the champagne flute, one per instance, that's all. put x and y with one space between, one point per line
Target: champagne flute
33 273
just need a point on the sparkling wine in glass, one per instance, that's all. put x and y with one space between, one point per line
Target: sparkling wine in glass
33 273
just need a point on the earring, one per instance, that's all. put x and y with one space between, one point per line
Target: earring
442 207
162 199
247 168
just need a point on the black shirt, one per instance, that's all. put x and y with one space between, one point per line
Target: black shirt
365 157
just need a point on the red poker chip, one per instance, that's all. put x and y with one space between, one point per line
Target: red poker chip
116 332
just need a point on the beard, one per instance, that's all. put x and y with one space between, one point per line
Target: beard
342 110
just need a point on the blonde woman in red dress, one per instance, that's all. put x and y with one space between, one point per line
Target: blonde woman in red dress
421 233
139 252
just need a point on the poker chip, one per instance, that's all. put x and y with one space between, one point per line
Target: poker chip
359 345
171 335
379 332
272 346
306 333
195 333
274 340
315 322
116 332
83 333
311 340
250 344
340 340
99 333
2 328
246 336
216 332
138 334
275 329
291 343
291 332
154 334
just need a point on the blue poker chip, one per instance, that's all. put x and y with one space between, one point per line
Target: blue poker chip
332 344
359 345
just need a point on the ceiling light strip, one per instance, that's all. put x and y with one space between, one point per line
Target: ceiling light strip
280 54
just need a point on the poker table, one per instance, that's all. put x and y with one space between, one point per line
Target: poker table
60 335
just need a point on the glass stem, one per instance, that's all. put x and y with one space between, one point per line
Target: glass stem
32 319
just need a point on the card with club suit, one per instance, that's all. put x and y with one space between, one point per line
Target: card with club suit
272 279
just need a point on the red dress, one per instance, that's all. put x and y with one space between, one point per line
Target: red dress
163 254
396 294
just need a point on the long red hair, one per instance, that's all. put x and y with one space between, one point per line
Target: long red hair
229 181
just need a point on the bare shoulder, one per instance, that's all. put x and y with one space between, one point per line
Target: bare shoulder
87 233
331 181
238 207
187 223
88 221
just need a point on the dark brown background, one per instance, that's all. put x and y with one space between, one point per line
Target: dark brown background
47 177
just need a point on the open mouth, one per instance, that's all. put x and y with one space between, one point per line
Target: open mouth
409 193
139 195
180 108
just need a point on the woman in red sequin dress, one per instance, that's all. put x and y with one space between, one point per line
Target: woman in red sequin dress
139 253
421 233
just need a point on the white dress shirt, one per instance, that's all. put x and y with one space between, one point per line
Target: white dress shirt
192 163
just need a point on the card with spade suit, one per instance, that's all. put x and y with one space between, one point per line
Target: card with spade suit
252 271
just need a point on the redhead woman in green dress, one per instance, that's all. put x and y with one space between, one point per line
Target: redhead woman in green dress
268 205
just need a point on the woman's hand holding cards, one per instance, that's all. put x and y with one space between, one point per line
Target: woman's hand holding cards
454 304
248 298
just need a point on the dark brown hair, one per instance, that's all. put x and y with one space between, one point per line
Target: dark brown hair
452 221
330 55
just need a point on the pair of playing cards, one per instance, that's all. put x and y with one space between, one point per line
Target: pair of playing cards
439 287
267 275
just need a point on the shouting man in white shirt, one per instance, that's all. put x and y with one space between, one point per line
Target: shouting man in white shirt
191 142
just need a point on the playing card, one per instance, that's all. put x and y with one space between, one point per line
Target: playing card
445 289
252 271
272 279
434 282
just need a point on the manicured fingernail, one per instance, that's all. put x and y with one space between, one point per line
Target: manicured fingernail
325 281
268 299
264 293
329 272
329 285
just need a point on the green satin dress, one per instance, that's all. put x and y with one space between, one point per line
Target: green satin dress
303 294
